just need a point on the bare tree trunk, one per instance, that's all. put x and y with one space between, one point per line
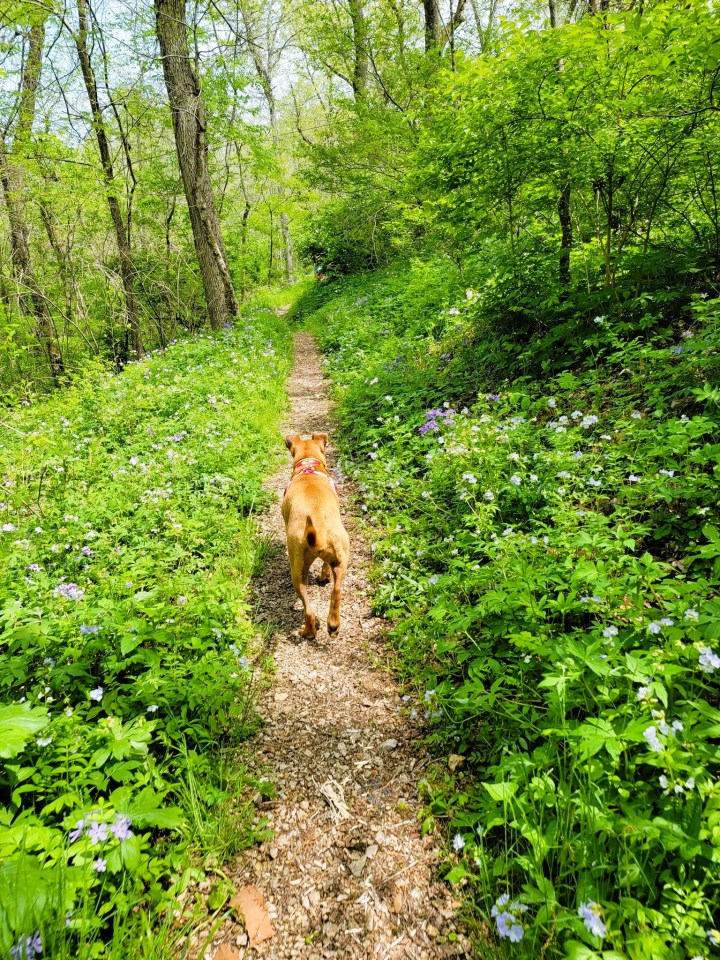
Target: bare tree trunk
32 298
566 235
285 228
189 124
122 236
361 60
437 34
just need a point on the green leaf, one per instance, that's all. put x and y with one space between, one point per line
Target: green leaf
18 725
501 792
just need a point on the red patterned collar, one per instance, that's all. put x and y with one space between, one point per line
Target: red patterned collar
309 465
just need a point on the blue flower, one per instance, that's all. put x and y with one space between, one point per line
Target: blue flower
98 832
591 915
121 828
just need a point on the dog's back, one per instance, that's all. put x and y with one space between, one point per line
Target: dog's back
314 526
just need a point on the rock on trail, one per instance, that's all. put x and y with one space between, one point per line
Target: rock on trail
346 873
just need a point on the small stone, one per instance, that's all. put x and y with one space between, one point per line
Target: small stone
432 931
371 851
456 762
273 851
389 745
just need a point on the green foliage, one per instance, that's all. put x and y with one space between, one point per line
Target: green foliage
549 550
127 542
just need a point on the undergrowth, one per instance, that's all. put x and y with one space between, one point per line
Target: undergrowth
547 543
127 543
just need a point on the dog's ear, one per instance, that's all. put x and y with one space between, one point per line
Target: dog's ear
291 441
321 439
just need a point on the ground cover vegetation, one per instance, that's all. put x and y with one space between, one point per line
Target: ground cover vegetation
530 408
127 544
549 553
528 388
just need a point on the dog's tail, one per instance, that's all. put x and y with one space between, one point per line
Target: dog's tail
311 537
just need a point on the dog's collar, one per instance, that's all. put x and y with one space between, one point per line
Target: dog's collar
309 465
313 460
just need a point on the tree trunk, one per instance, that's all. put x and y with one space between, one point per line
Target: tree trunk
437 34
566 235
285 227
361 60
122 236
32 299
189 125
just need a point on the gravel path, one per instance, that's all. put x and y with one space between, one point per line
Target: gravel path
346 873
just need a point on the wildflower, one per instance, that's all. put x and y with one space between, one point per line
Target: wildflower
588 421
69 590
471 478
508 532
181 601
643 692
96 694
636 415
86 629
87 551
508 926
677 726
591 915
666 473
77 831
654 627
599 321
610 631
9 527
98 832
458 842
666 622
709 661
25 948
533 478
564 475
592 482
134 461
552 402
429 694
692 614
153 708
514 456
578 455
427 427
34 567
433 578
121 828
44 741
515 480
488 495
652 739
100 865
714 937
507 920
663 781
633 479
492 396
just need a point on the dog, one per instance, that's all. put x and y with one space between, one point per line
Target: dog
314 527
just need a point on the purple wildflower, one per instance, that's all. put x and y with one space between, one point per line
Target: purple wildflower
69 590
87 629
77 832
121 828
98 832
100 865
426 427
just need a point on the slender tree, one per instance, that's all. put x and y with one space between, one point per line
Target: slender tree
189 126
120 223
33 300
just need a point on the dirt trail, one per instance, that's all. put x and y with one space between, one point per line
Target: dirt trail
360 884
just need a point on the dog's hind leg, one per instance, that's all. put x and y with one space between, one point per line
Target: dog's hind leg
300 568
333 621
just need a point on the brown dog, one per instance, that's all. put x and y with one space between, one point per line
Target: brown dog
311 512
